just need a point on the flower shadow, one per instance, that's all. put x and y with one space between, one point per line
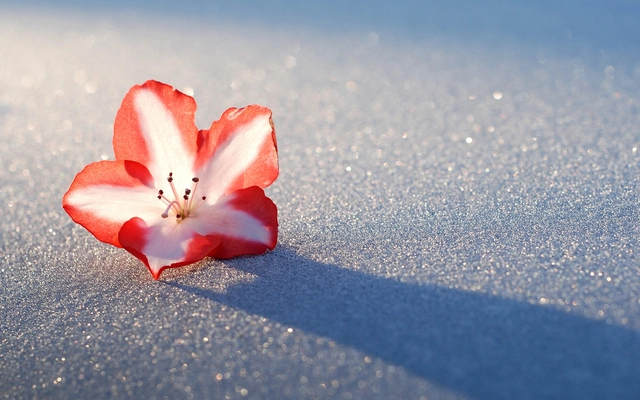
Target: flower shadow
477 344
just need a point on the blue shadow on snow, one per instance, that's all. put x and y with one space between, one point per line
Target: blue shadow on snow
480 345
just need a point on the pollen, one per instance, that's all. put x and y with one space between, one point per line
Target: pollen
183 206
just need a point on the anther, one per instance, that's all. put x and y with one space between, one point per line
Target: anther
195 179
185 197
204 197
178 216
160 192
187 191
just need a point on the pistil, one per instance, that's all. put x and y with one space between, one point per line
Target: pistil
165 214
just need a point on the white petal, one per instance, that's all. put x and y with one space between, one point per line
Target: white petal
118 203
167 243
233 157
164 140
221 218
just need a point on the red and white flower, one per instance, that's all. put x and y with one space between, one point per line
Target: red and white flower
174 194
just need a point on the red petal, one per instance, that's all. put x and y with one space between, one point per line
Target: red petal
262 170
252 201
135 237
155 126
113 174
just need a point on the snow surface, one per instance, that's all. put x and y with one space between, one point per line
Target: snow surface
458 203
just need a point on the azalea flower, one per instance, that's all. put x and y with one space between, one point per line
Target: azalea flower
174 194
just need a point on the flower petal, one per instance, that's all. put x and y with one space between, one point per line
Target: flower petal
155 127
106 194
246 222
237 152
165 244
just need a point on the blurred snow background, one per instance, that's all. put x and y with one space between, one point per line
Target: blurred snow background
458 202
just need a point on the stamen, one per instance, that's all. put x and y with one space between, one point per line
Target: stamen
167 201
195 187
170 180
185 205
199 204
182 210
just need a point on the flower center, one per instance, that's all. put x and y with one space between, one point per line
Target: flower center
183 206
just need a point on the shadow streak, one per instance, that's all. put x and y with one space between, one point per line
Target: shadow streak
480 345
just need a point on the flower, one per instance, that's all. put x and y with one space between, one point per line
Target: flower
175 195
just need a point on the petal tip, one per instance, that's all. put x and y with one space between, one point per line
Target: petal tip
156 275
